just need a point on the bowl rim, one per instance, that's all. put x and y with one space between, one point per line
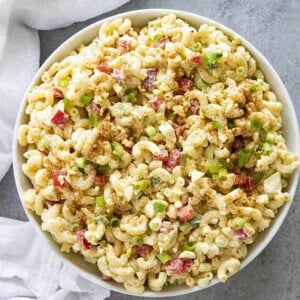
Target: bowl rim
154 13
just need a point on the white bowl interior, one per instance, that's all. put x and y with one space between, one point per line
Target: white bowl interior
140 18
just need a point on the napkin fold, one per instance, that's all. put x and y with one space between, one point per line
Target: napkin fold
28 270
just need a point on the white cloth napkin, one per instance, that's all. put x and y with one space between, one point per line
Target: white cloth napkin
28 270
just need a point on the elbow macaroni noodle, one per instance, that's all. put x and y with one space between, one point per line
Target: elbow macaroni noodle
156 153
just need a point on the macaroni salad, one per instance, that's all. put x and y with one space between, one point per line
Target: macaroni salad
156 153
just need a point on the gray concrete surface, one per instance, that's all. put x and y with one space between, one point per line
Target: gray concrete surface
274 28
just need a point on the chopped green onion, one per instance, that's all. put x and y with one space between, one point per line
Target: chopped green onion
183 160
267 148
118 149
188 246
196 220
73 226
200 84
212 58
270 138
186 227
114 222
67 103
81 163
240 70
100 201
197 47
255 124
254 87
203 111
139 188
138 240
103 168
213 167
238 222
102 219
156 37
257 177
164 257
244 157
228 164
86 98
155 180
93 121
159 207
150 130
63 83
262 134
141 185
129 97
217 124
222 174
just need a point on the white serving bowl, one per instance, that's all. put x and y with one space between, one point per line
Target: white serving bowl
140 18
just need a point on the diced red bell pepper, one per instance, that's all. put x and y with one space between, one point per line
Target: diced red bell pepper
59 178
186 213
104 67
83 242
60 118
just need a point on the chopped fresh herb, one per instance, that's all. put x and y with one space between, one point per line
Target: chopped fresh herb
138 240
63 83
103 169
222 174
270 138
155 180
188 246
86 98
118 149
67 103
93 121
212 58
197 47
129 97
159 207
150 130
213 167
195 221
200 84
114 222
183 160
73 226
100 201
267 148
257 177
254 87
81 163
102 219
255 124
217 124
244 157
238 222
164 257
